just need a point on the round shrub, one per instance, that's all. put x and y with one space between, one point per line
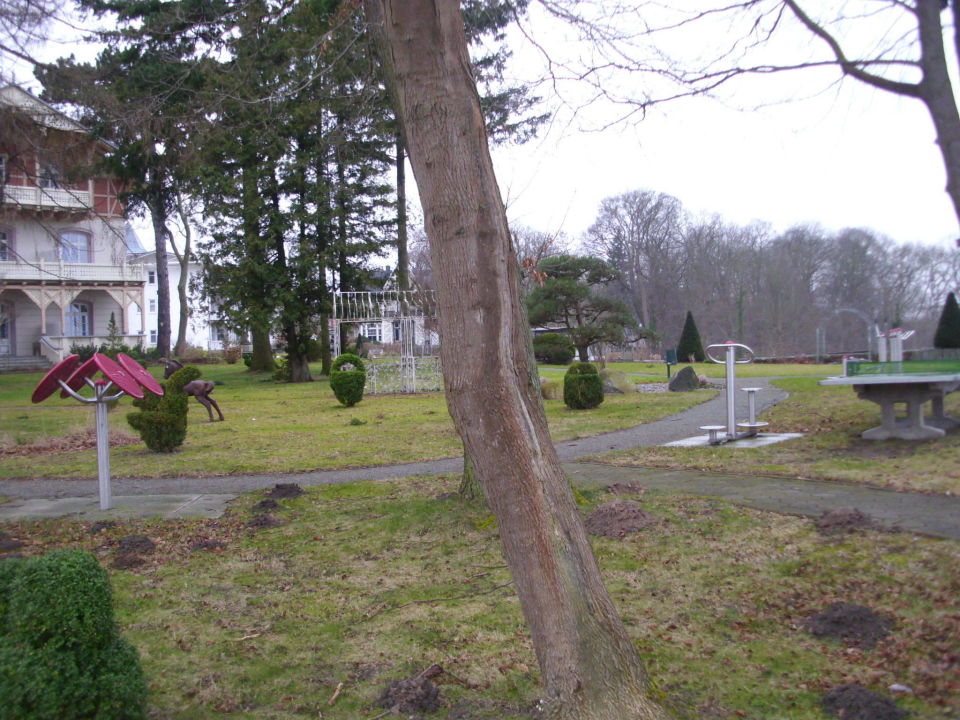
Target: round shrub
60 653
582 387
347 379
553 348
61 600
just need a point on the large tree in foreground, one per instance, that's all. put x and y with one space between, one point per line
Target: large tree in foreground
590 667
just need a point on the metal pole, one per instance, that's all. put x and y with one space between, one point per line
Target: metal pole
731 392
103 446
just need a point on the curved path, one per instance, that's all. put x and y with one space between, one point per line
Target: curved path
186 496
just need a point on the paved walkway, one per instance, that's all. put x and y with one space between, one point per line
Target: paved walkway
180 497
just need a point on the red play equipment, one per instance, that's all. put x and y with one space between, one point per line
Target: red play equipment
70 375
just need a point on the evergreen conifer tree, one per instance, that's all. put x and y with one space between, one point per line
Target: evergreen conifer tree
948 329
690 345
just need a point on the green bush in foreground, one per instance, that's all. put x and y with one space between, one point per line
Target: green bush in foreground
162 421
61 655
553 348
348 378
582 387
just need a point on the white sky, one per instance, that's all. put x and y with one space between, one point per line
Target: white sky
848 156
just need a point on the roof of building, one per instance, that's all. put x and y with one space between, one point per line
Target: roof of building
41 112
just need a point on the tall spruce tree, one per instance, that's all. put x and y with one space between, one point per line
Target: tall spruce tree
948 329
690 345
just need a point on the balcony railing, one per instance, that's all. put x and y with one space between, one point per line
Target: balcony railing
47 198
56 270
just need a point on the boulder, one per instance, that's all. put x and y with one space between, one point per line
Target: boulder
685 380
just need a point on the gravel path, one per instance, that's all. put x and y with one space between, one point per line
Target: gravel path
675 427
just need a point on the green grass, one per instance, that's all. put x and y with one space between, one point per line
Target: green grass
717 371
832 419
277 427
373 581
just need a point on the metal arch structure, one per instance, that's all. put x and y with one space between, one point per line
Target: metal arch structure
872 331
418 369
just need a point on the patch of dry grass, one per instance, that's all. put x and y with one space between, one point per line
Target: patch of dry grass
367 582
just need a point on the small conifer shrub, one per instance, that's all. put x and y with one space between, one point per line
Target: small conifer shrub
61 655
348 376
948 329
582 386
690 345
162 421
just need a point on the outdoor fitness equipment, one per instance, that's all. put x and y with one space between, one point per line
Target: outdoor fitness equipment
730 361
70 375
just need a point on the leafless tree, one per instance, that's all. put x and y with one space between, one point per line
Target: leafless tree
589 665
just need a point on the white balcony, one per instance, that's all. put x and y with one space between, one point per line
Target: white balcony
47 198
53 271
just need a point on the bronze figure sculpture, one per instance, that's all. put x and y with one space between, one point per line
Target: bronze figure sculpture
200 389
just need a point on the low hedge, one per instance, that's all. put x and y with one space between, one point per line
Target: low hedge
553 348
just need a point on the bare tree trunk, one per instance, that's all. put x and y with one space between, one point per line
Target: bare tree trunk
262 354
403 257
590 668
184 259
161 234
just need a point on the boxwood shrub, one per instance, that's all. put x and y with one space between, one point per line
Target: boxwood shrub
61 655
582 386
348 376
162 421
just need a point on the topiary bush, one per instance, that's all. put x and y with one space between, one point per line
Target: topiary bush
947 334
582 386
162 421
690 347
553 348
61 655
348 376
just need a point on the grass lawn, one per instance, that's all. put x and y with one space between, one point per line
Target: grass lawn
368 582
277 427
832 419
717 371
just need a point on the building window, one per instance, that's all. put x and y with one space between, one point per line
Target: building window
49 177
5 311
397 331
3 169
79 323
6 252
151 277
153 305
372 331
75 247
217 333
153 337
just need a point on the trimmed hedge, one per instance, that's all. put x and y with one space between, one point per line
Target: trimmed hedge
347 385
948 328
582 386
553 348
61 655
690 345
162 421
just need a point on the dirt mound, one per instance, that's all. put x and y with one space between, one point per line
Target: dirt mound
10 545
126 561
851 623
101 525
264 520
413 694
264 505
208 545
618 518
285 490
136 545
81 440
845 520
852 702
627 488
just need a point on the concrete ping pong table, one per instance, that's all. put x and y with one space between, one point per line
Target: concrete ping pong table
905 381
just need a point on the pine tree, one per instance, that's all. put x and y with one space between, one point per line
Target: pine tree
948 329
690 345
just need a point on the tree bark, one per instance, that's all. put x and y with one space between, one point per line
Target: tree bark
470 489
184 259
403 257
262 353
590 668
158 215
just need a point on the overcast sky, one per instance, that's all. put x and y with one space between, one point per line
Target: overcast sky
847 156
